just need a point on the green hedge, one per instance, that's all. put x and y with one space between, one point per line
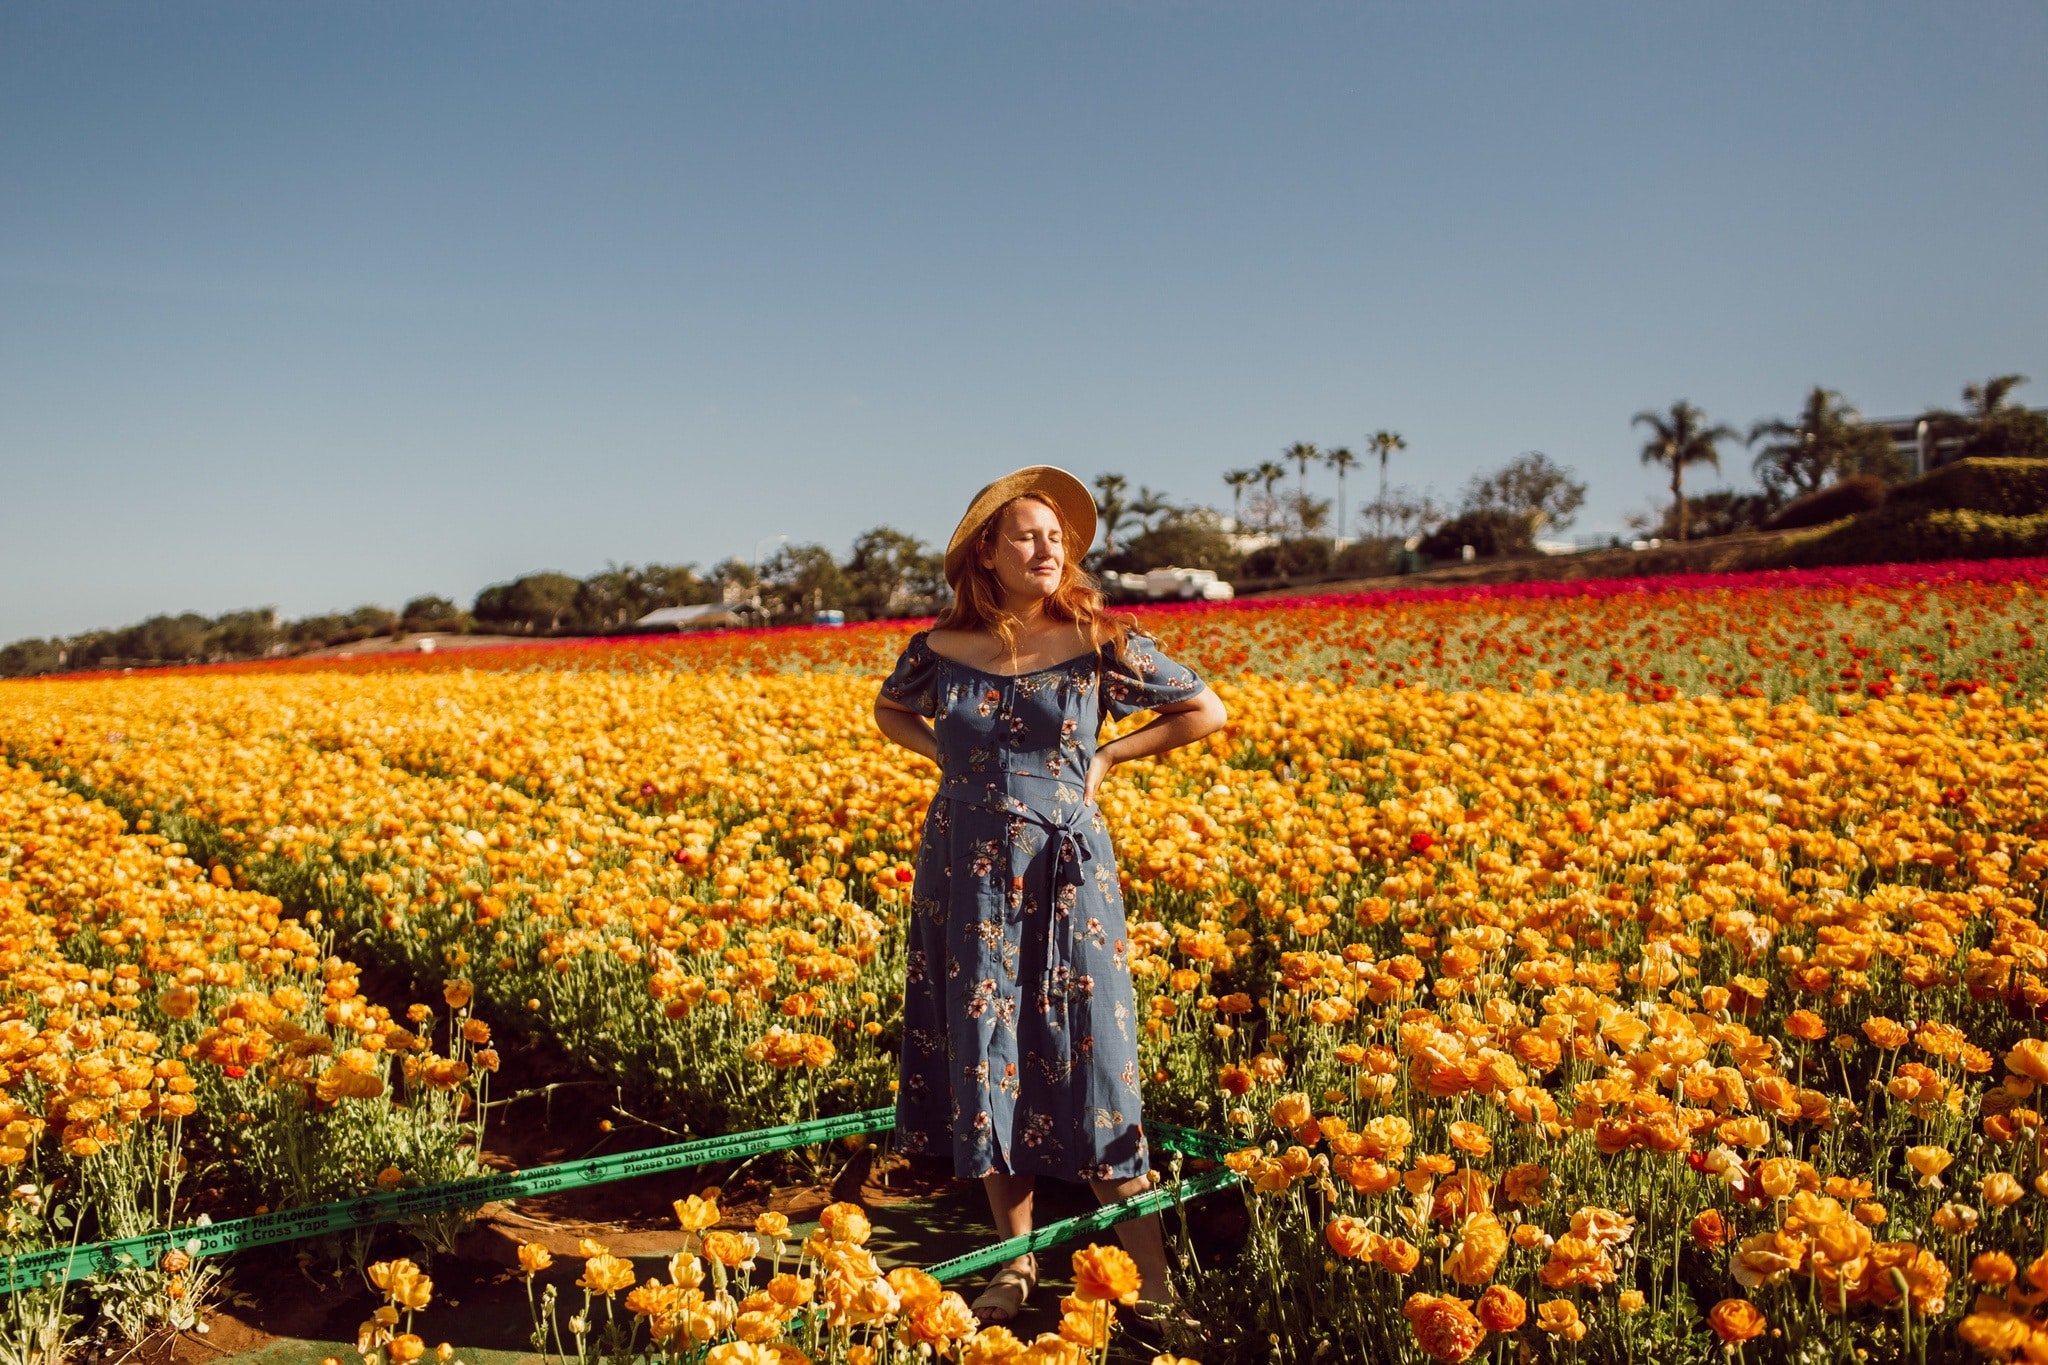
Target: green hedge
1901 531
2010 488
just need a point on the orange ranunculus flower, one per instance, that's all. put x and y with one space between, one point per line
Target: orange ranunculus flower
1806 1026
653 1299
457 992
1709 1230
1560 1318
1501 1309
1086 1325
606 1275
915 1288
1347 1236
731 1249
1995 1332
845 1222
534 1258
1366 1175
1292 1111
1929 1162
943 1321
695 1213
1736 1321
389 1275
989 1346
1747 1131
791 1292
1470 1138
1577 1263
1481 1245
1778 1176
1462 1192
2029 1057
1993 1268
1767 1257
742 1353
1106 1274
1523 1184
346 1080
1884 1033
1397 1254
1444 1327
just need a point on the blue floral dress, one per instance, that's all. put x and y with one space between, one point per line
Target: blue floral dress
1019 1027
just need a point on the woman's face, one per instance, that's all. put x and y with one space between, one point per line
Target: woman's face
1027 555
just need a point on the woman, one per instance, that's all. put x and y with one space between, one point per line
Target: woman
1020 1034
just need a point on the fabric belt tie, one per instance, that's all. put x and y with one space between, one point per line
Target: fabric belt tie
1067 848
1069 851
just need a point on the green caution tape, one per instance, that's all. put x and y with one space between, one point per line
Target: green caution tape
1191 1141
1109 1215
60 1264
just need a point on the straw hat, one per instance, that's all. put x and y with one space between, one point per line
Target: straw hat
1069 494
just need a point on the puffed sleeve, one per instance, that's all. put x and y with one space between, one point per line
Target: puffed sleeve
1140 676
915 681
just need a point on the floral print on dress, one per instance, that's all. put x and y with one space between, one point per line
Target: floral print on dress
1020 1054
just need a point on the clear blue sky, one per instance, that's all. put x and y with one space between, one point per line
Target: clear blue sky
312 305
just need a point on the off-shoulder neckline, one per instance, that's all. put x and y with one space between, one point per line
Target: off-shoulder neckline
924 641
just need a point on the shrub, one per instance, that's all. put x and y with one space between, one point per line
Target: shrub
1848 497
1901 532
1370 556
1718 512
1303 555
1488 532
2009 487
1188 541
2015 433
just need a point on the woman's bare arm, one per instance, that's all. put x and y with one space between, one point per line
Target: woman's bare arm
906 727
1182 723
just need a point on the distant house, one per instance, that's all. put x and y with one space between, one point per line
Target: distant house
1915 440
694 617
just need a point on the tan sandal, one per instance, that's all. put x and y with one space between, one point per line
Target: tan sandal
1004 1297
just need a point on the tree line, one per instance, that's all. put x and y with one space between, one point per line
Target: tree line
889 573
1272 531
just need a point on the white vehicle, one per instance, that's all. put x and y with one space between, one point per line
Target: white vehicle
1169 584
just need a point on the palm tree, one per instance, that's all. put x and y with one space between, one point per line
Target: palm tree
1385 442
1304 454
1342 460
1110 508
1988 398
1681 438
1149 504
1985 402
1269 473
1237 480
1803 454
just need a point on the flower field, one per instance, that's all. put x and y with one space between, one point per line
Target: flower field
1639 971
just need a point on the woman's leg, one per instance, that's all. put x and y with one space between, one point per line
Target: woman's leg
1140 1236
1009 1205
